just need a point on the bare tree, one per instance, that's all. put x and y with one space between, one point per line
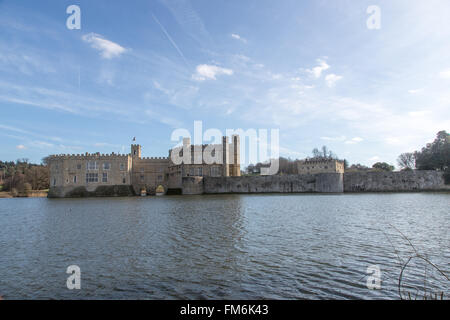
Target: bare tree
407 161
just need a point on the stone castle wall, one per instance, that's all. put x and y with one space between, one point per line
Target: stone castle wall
324 182
394 181
405 181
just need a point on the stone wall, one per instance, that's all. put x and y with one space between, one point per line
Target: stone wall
192 185
394 181
326 182
82 192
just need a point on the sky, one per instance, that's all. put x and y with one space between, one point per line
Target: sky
312 69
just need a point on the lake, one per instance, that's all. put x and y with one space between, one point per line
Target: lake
303 246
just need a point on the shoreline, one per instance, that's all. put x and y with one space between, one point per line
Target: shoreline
6 195
33 194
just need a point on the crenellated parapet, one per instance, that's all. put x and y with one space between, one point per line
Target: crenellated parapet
155 158
89 156
319 160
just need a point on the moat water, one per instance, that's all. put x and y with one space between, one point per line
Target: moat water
224 246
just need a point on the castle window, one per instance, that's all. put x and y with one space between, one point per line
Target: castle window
124 180
142 178
74 179
160 178
106 166
91 177
200 172
92 165
54 182
142 169
105 177
122 166
191 172
79 166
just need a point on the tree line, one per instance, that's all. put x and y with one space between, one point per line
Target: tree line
22 176
434 156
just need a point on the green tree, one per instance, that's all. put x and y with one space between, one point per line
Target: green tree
346 164
383 166
436 155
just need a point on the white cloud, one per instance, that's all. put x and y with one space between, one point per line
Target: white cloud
341 138
445 74
331 79
107 48
20 147
419 113
238 37
355 140
162 118
317 71
415 91
209 72
393 141
375 158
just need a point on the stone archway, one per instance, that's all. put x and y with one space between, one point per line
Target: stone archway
160 190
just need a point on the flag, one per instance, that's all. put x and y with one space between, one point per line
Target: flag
134 138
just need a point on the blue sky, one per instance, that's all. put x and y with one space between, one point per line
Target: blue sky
312 69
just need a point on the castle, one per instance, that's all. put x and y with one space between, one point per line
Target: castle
122 175
320 165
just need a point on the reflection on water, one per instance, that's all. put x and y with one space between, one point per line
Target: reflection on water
221 247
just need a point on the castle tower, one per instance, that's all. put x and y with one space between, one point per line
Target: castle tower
236 164
135 151
225 159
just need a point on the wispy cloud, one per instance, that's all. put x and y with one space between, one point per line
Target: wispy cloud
188 19
416 91
171 41
317 71
354 140
164 119
331 79
21 147
339 138
210 72
238 37
107 48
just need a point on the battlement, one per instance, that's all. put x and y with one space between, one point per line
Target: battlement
88 156
319 160
154 158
